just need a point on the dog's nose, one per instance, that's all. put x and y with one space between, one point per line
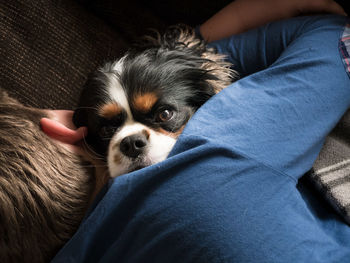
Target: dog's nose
133 145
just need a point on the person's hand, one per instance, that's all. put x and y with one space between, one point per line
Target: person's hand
60 127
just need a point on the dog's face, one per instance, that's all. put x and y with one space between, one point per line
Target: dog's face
137 106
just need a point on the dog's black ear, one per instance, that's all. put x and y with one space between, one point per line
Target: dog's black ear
219 70
80 117
183 38
91 95
81 113
177 37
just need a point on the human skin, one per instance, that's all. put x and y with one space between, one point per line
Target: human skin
242 15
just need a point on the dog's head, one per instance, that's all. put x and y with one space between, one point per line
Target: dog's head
137 106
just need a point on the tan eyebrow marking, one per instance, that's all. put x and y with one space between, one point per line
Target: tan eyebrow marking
144 102
109 110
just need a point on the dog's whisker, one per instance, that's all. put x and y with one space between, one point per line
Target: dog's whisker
106 139
91 152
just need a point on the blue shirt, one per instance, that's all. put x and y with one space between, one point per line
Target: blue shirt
229 190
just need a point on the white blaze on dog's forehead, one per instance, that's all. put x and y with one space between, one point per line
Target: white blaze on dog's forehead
115 90
117 93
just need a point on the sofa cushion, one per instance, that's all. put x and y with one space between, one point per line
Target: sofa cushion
47 49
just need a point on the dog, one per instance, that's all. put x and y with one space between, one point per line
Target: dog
137 106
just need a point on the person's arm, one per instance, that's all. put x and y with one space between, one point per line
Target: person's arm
242 15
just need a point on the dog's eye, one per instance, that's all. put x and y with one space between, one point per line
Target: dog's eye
165 115
107 131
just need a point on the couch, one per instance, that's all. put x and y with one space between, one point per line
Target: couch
48 48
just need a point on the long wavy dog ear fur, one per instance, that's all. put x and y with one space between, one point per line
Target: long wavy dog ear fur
183 38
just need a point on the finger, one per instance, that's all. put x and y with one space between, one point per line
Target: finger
58 131
63 116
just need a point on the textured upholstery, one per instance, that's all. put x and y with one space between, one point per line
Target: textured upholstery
48 48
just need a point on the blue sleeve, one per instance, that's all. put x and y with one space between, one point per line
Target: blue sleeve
259 48
297 94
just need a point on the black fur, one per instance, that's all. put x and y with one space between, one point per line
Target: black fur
176 66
